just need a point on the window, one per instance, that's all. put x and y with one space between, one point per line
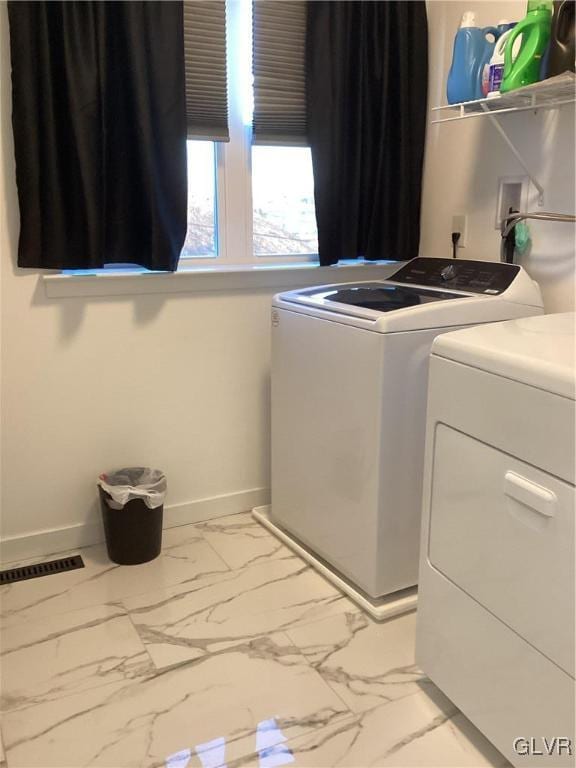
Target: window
284 222
202 235
248 205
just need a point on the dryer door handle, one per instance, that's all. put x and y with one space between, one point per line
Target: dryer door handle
530 494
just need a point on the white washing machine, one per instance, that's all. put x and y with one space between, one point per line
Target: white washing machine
496 593
349 379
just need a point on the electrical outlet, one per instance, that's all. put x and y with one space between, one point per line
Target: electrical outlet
459 223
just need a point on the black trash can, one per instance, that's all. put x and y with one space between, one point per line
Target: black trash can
134 533
132 513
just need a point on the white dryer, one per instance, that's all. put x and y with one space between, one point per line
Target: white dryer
496 595
349 380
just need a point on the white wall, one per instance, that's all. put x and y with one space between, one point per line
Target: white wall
464 160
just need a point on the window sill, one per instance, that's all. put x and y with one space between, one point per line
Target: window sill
204 279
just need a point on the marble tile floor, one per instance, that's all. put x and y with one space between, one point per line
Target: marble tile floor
227 650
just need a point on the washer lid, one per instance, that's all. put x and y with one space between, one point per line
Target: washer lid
375 296
538 351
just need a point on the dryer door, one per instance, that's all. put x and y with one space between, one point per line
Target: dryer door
503 532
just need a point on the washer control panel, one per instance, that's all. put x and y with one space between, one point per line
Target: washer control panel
488 277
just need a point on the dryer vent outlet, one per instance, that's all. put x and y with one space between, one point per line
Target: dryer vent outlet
512 194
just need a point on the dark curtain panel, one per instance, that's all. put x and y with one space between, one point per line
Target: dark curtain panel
100 132
367 80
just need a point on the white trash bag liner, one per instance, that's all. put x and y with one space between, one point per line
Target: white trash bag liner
129 483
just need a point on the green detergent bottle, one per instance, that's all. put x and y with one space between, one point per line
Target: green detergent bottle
524 69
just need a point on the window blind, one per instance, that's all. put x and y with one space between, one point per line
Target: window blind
205 63
279 43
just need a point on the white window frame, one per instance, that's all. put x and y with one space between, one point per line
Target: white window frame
234 211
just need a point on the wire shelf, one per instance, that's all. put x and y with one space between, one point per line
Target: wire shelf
547 94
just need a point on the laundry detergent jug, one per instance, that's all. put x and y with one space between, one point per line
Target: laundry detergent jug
473 48
562 49
524 67
496 67
494 71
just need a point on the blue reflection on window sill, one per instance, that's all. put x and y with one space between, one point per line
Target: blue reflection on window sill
189 266
113 269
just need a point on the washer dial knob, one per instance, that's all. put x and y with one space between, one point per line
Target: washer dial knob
448 273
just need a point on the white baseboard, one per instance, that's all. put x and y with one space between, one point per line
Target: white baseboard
54 540
49 542
216 506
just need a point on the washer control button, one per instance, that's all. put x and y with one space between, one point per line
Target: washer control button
448 273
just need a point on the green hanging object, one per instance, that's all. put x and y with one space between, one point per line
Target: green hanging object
535 30
522 237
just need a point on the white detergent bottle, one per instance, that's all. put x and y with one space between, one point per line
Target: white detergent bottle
496 66
503 26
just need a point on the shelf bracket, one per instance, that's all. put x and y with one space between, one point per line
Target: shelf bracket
495 122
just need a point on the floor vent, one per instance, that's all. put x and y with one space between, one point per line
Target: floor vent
41 569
